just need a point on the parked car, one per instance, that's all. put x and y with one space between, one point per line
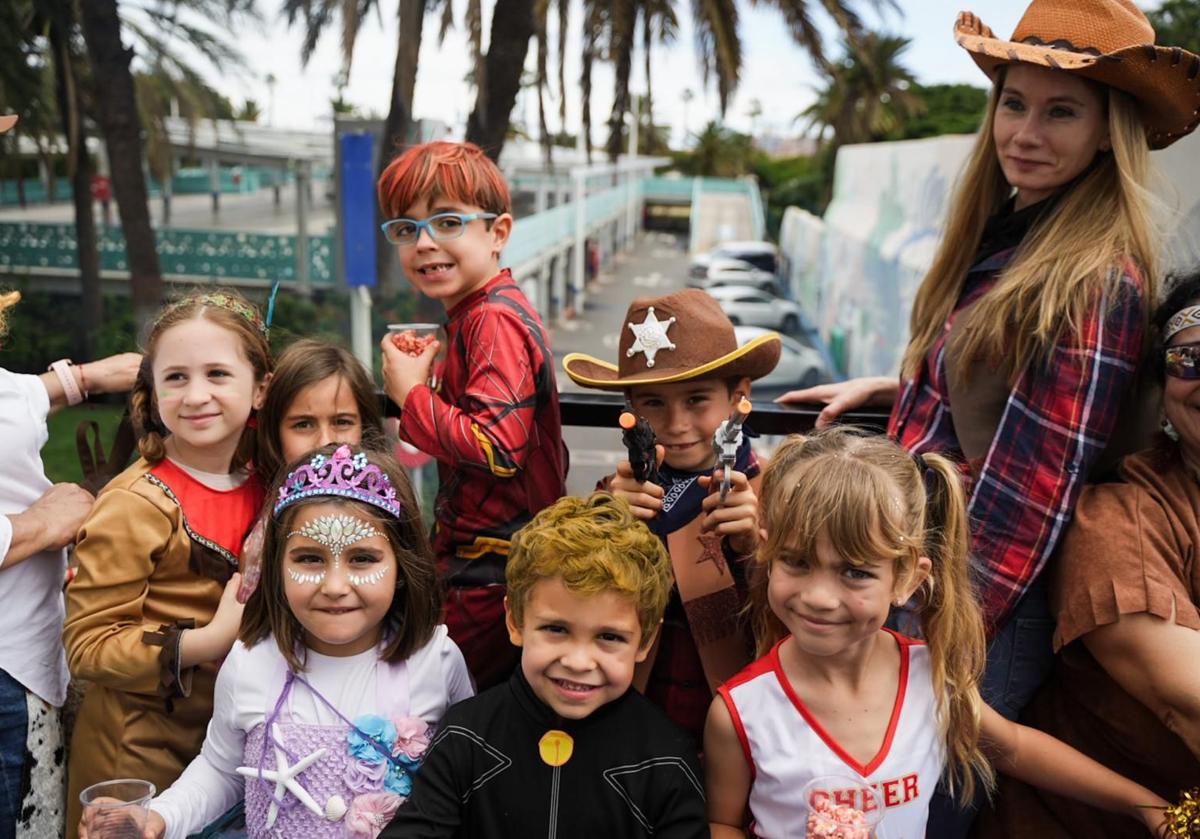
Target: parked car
799 365
726 271
762 255
754 307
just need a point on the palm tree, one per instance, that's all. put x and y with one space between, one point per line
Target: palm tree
867 96
595 22
659 23
512 28
155 26
718 44
116 106
318 16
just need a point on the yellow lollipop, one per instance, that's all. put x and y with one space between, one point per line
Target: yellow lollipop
556 747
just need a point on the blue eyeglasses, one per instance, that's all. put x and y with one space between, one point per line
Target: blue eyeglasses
406 231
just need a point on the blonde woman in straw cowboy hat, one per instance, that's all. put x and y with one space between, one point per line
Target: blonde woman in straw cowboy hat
1027 330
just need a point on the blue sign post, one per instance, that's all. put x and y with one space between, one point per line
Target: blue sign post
357 211
357 232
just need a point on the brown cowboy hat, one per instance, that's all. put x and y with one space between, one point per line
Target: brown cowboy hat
1110 41
7 121
679 336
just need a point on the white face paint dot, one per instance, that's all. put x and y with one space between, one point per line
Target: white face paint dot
650 336
367 579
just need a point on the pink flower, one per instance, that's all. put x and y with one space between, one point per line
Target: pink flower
369 814
412 737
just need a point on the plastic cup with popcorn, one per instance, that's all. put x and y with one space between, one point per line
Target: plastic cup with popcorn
840 808
413 338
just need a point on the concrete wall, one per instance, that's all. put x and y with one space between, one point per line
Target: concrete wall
857 269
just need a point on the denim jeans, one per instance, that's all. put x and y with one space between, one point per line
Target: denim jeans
1019 660
14 724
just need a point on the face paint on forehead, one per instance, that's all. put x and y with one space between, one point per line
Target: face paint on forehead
336 532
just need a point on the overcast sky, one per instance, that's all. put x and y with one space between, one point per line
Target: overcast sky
775 71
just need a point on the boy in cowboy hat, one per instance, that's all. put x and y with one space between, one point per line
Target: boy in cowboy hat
681 369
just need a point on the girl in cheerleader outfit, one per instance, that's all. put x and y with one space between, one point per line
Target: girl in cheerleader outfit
853 527
327 703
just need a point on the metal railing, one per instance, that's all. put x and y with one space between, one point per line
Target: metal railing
601 410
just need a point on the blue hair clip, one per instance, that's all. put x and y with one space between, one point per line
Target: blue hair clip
271 304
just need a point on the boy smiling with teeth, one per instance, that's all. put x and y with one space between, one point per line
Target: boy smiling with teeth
493 423
566 747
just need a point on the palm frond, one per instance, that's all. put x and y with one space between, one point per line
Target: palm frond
447 21
718 45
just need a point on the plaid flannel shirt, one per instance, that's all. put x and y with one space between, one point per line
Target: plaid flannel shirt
1054 426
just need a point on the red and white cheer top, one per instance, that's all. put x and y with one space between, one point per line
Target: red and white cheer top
787 747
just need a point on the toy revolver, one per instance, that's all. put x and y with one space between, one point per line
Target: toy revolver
726 442
639 440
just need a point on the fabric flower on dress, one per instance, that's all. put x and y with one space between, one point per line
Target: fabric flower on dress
399 780
369 814
412 739
380 730
363 777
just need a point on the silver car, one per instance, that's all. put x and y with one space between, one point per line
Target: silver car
755 307
799 365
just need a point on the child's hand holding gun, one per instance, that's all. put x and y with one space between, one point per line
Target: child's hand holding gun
636 478
733 511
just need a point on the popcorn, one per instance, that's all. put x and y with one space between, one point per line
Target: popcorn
827 820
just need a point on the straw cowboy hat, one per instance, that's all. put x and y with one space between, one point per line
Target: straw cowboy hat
673 338
1109 41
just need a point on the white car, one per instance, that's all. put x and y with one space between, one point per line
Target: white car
754 307
725 272
762 255
799 365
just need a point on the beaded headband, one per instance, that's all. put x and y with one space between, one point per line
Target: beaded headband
344 475
1181 320
224 301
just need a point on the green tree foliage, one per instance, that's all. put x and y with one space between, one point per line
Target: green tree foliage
868 95
719 152
947 109
1177 24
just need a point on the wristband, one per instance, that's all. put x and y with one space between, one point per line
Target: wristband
62 369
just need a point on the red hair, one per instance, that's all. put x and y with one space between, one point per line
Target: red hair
455 171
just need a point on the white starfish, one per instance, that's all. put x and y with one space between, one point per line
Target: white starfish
285 780
651 336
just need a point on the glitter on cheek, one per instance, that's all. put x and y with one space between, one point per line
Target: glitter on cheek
306 578
367 579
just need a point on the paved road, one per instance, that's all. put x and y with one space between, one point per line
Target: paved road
252 212
655 266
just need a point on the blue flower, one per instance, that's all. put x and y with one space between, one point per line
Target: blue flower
318 461
398 781
381 731
360 460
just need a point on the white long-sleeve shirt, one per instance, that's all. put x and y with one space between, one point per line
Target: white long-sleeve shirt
247 688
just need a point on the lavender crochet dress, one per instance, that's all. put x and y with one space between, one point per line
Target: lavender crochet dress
360 780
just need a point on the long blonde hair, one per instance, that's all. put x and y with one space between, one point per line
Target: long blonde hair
873 502
1071 258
